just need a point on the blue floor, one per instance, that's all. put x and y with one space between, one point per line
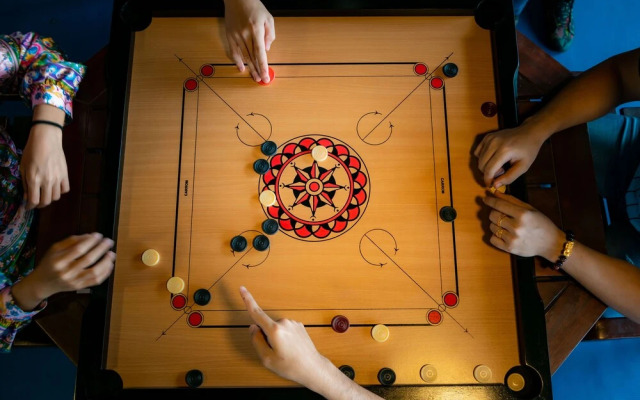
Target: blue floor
595 370
36 373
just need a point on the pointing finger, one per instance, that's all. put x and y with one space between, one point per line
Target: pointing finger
259 317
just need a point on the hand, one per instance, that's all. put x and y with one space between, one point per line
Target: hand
250 32
284 346
74 263
518 146
525 231
43 166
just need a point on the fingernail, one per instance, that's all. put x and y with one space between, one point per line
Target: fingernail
497 184
96 234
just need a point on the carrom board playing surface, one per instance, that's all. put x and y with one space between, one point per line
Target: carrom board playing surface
385 229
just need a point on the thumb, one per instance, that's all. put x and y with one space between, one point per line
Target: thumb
513 200
259 341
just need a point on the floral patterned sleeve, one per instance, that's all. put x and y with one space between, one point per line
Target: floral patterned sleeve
12 318
17 247
32 66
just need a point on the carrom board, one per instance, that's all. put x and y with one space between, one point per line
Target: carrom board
386 229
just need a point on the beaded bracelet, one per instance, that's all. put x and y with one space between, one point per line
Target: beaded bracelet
567 248
47 123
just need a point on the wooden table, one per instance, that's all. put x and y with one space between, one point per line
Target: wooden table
561 183
570 310
135 293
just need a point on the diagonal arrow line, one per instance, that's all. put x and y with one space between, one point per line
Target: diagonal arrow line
214 283
417 284
221 99
426 78
399 267
231 267
164 332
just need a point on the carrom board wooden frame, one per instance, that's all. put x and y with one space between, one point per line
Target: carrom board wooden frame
100 369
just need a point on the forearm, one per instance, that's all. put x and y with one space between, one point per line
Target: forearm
46 112
591 95
27 294
614 281
334 385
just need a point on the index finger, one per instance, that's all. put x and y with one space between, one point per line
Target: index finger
493 167
480 147
512 199
259 317
504 206
260 54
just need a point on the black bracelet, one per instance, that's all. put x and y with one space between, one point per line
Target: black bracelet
567 248
47 123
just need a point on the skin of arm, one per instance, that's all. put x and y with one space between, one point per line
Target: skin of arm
43 166
528 232
591 95
285 348
614 281
75 263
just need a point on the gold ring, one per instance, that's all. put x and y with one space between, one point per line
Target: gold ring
503 216
499 233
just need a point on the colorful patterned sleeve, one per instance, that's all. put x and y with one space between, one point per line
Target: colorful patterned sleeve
12 318
35 68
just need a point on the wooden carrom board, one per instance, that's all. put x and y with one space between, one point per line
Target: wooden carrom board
387 229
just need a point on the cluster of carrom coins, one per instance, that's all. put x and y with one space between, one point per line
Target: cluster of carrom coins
261 167
175 285
379 333
386 376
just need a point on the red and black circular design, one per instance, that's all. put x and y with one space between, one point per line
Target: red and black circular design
316 200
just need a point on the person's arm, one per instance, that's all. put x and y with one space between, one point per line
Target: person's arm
12 317
285 348
526 232
34 67
74 263
250 32
591 95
